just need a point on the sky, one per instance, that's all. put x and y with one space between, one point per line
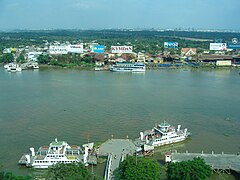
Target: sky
102 14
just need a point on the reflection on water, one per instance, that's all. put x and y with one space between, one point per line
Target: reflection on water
37 106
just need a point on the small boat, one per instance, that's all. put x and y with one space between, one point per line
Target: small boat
14 68
7 66
98 68
163 134
32 65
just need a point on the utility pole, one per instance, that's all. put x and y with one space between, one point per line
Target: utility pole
92 172
136 157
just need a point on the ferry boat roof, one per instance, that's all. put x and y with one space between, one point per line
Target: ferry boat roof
130 63
58 143
164 124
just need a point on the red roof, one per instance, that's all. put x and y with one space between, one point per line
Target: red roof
185 50
168 153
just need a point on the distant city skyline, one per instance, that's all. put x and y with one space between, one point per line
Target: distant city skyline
103 14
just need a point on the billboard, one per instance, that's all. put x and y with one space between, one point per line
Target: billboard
218 46
235 44
97 49
77 48
121 49
170 44
58 50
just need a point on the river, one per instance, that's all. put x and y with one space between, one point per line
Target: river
37 106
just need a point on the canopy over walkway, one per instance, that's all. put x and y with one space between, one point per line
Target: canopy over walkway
218 162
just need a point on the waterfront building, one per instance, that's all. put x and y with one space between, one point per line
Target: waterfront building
219 60
188 52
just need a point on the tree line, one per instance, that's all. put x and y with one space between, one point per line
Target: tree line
149 40
132 168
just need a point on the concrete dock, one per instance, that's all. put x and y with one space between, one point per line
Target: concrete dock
117 148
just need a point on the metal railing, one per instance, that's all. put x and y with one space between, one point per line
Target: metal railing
107 174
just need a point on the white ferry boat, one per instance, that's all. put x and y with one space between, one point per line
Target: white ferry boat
6 66
32 65
12 67
56 152
128 67
163 134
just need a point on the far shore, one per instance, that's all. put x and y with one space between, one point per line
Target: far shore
148 67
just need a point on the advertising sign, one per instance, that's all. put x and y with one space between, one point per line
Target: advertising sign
97 49
235 44
170 44
121 49
218 46
58 50
77 48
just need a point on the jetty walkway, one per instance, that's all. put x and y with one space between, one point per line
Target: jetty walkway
116 150
218 162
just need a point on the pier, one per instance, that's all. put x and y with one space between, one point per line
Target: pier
220 163
116 150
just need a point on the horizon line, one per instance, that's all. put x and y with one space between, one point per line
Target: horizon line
126 29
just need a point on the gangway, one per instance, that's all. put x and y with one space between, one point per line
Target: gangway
108 173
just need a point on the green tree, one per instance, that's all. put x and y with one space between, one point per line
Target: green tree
88 59
189 170
135 168
7 58
20 58
11 176
43 59
62 171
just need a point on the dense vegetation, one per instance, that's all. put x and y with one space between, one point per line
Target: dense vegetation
73 171
140 168
149 41
6 58
143 168
132 168
11 176
67 60
146 41
189 170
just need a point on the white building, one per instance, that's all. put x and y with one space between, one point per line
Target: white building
58 50
141 57
32 56
224 63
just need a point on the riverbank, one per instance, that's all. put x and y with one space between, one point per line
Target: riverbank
67 67
148 67
91 67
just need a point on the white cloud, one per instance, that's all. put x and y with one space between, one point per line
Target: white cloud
13 5
85 4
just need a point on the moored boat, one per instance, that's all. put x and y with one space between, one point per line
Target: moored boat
32 65
163 134
6 66
13 68
128 67
56 152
